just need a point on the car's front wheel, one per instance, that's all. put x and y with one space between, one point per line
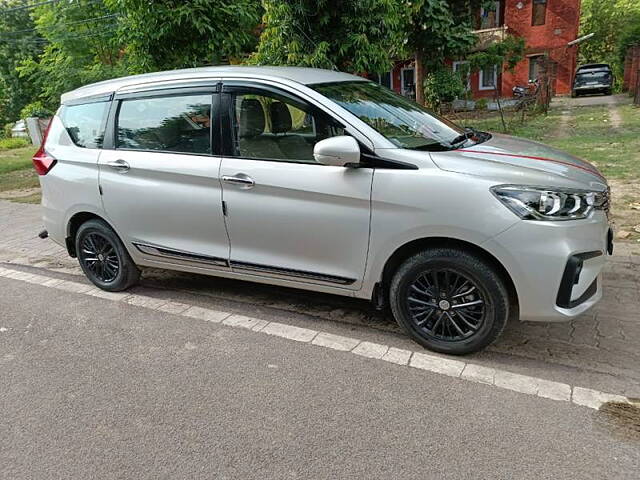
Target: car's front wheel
103 258
449 300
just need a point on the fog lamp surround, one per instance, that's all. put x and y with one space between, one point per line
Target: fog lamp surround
549 203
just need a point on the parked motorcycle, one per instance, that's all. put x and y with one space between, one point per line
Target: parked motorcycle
531 90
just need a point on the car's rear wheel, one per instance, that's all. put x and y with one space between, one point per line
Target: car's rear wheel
103 258
449 300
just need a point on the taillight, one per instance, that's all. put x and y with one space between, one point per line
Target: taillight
42 162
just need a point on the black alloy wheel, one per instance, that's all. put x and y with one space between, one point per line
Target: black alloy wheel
100 257
103 258
446 305
450 300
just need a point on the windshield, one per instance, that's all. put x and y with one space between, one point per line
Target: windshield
403 122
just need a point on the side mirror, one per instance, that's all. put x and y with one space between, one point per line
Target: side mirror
337 151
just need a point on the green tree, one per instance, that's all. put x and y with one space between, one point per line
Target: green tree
435 30
169 34
18 42
360 36
80 46
611 21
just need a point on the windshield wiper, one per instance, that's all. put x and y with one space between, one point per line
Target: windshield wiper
469 132
463 137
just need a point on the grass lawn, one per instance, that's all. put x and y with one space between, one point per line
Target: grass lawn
587 132
18 179
611 142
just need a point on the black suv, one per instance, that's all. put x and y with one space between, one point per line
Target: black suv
593 78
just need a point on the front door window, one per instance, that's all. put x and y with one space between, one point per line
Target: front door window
273 127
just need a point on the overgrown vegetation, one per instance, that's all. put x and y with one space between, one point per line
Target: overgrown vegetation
11 143
616 25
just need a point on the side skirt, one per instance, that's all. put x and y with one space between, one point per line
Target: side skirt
169 253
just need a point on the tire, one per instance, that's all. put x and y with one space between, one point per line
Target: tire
103 258
479 323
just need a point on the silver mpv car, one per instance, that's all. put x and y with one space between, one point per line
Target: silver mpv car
324 181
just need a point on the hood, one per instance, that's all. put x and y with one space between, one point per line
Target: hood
528 161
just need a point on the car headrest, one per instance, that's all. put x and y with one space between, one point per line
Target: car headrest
280 117
251 118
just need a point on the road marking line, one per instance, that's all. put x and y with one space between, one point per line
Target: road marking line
397 356
554 390
336 342
444 366
174 307
503 379
478 373
213 316
371 350
593 398
249 323
290 332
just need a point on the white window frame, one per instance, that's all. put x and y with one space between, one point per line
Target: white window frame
498 19
404 69
455 69
481 79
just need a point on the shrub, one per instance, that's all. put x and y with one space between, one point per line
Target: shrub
35 109
10 143
481 104
7 129
442 86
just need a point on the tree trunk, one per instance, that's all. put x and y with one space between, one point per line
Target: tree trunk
419 78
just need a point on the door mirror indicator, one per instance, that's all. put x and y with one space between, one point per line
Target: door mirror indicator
337 151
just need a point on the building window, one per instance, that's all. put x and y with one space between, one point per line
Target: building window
535 62
539 12
490 16
488 78
408 85
462 68
384 79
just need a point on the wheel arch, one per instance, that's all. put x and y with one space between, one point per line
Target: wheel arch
410 248
74 223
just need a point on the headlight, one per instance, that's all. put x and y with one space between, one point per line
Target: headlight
546 203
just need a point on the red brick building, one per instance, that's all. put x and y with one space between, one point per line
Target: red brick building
546 25
631 68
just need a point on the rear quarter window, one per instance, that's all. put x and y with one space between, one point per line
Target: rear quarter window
85 123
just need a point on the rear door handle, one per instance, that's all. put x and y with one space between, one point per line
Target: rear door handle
119 165
240 179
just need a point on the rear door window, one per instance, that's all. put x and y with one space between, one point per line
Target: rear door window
85 123
180 124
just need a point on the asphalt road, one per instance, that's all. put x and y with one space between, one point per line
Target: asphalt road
97 389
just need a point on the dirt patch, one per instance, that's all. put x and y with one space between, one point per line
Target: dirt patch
19 193
616 118
563 129
623 419
625 209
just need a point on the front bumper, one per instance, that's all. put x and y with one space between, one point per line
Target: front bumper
555 266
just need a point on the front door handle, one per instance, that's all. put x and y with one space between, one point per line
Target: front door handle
240 179
119 165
